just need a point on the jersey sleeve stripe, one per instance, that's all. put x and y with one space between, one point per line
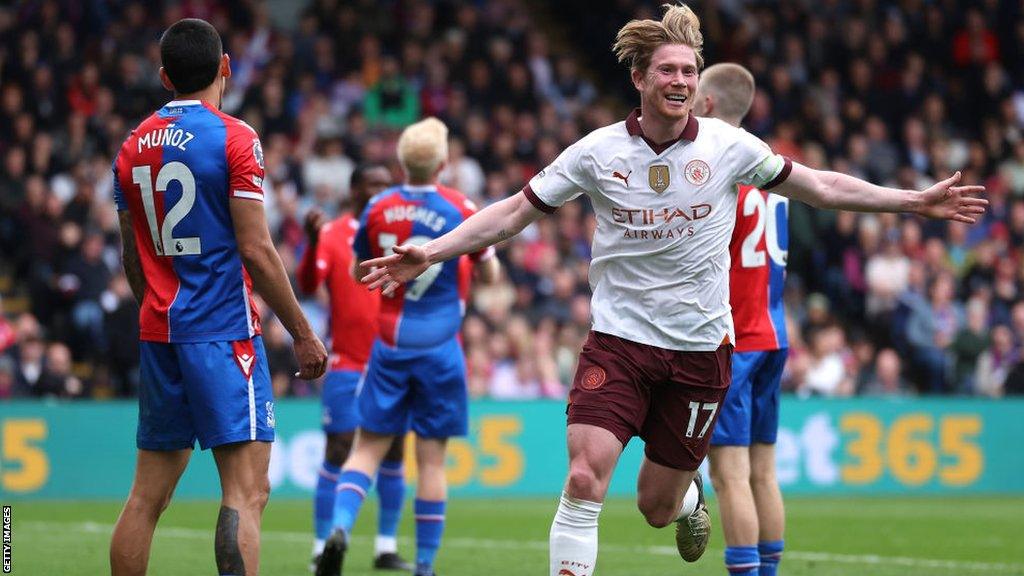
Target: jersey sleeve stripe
249 195
781 177
536 201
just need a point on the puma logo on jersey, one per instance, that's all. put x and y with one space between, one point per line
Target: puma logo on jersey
625 178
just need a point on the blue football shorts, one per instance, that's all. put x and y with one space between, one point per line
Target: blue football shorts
338 400
750 412
216 392
421 387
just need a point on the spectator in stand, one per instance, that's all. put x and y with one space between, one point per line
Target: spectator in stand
887 380
56 379
930 332
391 102
968 346
121 324
826 370
996 363
10 386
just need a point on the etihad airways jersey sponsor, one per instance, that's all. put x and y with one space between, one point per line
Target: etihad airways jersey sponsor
665 214
759 248
175 174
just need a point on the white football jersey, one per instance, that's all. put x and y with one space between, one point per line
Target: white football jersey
665 214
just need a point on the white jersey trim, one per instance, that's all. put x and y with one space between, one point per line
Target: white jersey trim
248 195
252 410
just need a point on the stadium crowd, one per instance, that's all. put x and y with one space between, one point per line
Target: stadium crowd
898 92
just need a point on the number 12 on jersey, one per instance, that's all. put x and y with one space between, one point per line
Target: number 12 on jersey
164 241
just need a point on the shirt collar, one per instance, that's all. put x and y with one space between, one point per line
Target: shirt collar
633 127
183 103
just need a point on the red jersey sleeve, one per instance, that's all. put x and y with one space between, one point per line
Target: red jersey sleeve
245 162
311 270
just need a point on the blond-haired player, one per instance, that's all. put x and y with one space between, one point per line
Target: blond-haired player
416 375
658 360
742 453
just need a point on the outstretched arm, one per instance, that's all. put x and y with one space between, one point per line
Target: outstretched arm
497 222
823 189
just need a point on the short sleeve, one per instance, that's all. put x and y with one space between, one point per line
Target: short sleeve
560 182
758 165
119 200
245 163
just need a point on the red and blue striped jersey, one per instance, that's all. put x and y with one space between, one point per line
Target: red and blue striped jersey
354 308
175 174
427 311
759 248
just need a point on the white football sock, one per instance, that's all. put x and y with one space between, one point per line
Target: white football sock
318 546
385 544
573 540
689 501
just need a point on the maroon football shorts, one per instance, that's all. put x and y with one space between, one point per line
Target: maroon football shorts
668 398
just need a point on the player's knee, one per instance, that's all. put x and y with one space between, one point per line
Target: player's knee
251 496
658 508
150 504
338 448
396 452
658 513
584 483
761 479
726 480
260 495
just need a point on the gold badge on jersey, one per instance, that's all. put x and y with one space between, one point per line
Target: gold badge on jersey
658 178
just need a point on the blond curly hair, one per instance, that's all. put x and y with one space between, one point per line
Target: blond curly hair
638 39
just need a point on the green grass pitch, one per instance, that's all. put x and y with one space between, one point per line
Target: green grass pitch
825 536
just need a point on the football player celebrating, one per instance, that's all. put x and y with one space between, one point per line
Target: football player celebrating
657 363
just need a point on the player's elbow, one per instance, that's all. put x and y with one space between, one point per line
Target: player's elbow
822 191
256 255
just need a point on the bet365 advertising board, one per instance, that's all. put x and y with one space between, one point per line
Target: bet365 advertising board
865 446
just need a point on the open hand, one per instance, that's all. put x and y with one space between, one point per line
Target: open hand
947 201
389 272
